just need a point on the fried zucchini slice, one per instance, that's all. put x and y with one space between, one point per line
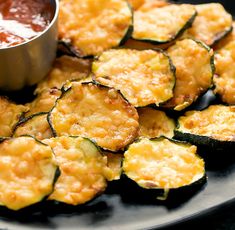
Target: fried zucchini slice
162 23
65 68
163 164
211 24
28 172
94 26
155 123
96 112
115 165
143 77
10 113
213 127
224 80
35 125
194 64
83 170
43 102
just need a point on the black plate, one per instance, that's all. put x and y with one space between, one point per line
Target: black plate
111 211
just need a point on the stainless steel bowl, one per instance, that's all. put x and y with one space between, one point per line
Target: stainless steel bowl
27 63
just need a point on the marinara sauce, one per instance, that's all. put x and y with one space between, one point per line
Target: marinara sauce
22 20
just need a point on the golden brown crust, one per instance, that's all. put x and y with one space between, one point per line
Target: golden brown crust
94 26
10 114
211 23
96 112
83 170
143 77
27 172
155 123
217 122
65 68
194 72
162 164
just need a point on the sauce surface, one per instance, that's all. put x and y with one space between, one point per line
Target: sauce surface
22 20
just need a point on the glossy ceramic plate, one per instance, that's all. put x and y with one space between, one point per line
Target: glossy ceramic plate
112 211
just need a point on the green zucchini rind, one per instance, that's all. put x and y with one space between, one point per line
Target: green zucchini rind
143 77
35 125
155 123
29 174
97 112
194 62
212 127
108 24
152 23
83 170
159 167
211 24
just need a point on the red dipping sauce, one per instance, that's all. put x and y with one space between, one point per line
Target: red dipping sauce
22 20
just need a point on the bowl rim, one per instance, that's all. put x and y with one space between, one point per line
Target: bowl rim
52 23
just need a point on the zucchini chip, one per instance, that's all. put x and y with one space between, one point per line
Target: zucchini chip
115 165
83 170
155 123
163 164
224 79
35 125
10 114
194 64
94 26
65 69
28 172
96 112
211 24
143 77
162 23
213 127
43 102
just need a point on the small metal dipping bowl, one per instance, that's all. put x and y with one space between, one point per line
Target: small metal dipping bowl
27 63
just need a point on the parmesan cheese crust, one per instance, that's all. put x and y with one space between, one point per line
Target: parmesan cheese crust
194 72
36 126
94 26
27 172
10 114
162 23
96 112
43 102
143 77
162 164
211 24
83 170
155 123
224 80
65 69
217 122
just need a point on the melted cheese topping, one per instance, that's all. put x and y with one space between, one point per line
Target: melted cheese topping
217 122
27 172
135 4
10 114
211 23
155 123
83 170
94 26
162 164
43 102
36 126
115 165
65 68
161 23
143 77
224 79
193 69
98 113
